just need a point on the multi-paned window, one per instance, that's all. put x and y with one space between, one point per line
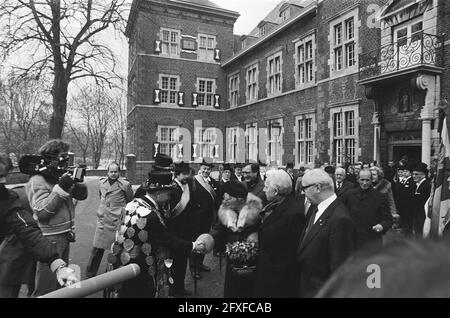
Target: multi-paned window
344 40
169 85
275 140
305 61
344 135
206 88
262 30
206 141
170 42
251 142
234 90
252 83
274 74
206 47
168 140
233 143
305 139
285 14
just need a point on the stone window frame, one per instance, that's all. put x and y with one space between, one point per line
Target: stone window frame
343 134
254 68
170 143
205 139
170 42
210 50
304 62
275 74
233 143
345 43
272 141
169 90
205 94
302 138
251 145
233 84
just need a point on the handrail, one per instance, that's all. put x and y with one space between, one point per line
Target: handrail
97 283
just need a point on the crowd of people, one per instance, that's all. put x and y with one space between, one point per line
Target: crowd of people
294 228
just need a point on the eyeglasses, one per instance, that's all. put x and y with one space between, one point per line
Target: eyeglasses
309 185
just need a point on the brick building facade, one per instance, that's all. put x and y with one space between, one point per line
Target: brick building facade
293 90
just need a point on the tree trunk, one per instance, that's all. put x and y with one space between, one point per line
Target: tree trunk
59 93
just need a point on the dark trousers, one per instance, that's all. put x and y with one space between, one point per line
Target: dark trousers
9 291
418 221
179 272
195 261
94 262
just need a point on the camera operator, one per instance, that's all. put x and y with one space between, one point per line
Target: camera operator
16 221
51 193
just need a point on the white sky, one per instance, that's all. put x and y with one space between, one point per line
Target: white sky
251 11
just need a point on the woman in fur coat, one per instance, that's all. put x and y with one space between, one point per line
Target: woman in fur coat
238 221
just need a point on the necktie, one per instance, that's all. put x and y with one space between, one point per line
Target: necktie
311 221
339 186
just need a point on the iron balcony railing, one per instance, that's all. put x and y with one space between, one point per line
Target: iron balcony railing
421 49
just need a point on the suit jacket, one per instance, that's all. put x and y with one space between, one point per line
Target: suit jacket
279 233
368 208
420 197
182 225
328 243
205 204
345 187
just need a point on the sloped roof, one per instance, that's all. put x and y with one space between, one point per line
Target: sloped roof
205 3
274 15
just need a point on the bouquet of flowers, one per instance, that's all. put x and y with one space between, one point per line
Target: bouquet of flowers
242 256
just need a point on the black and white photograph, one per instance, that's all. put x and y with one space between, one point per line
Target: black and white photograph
224 150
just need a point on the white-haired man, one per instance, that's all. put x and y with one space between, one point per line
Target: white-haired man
281 225
329 237
341 185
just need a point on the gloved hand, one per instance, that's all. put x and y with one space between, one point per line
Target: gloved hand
66 276
66 181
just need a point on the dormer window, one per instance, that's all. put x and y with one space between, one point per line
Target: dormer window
262 30
243 43
285 14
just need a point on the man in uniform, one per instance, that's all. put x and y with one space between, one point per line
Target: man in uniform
145 239
180 223
115 192
206 197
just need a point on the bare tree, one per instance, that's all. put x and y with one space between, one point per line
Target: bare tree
25 112
92 116
63 37
119 130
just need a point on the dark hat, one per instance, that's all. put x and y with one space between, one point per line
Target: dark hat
290 165
208 164
329 169
182 167
423 167
235 189
239 165
160 177
226 166
261 164
162 162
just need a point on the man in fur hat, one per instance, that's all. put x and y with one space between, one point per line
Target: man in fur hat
144 238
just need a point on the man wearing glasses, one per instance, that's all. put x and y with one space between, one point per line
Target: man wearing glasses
254 182
329 237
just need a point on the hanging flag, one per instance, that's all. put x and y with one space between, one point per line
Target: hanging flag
440 212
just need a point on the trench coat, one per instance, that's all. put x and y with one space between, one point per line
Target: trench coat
113 199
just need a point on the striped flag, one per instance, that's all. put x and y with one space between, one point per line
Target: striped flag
440 212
